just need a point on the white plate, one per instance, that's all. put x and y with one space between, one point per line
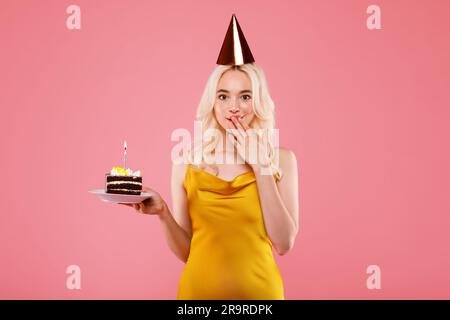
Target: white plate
120 198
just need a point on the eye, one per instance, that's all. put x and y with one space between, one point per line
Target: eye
246 95
221 95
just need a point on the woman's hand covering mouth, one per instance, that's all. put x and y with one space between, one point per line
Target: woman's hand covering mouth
237 116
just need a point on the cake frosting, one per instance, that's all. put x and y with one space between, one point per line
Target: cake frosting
122 181
118 171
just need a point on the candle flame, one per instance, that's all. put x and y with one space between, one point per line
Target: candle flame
125 145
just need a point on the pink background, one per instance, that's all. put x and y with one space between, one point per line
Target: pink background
366 112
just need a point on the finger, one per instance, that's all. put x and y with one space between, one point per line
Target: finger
238 125
139 207
126 204
243 124
236 144
238 131
234 135
147 202
231 137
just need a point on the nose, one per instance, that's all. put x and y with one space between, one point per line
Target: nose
233 107
234 110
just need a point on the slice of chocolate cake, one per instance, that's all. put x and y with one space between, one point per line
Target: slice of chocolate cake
122 181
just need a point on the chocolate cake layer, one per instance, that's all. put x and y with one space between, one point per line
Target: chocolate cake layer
110 178
123 184
130 192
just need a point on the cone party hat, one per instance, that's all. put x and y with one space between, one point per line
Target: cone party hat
235 50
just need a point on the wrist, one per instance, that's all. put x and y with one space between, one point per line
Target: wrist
163 211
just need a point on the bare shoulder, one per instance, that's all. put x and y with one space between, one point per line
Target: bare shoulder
179 171
287 163
287 158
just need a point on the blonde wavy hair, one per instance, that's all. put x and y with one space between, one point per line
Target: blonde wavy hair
262 106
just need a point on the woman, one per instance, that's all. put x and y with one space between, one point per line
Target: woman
227 216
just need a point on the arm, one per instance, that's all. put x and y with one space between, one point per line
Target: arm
176 225
279 202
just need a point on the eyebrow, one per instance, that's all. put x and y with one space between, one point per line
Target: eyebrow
226 91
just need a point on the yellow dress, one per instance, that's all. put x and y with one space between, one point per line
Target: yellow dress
231 254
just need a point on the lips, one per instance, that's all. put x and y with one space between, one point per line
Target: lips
241 117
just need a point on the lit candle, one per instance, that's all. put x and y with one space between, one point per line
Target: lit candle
125 154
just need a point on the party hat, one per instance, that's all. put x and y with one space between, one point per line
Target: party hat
235 50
